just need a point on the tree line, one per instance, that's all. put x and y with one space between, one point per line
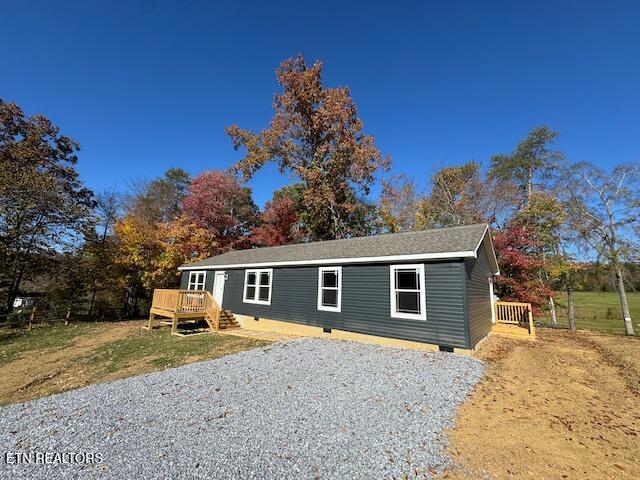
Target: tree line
103 253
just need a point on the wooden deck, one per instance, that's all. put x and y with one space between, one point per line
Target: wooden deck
514 320
188 306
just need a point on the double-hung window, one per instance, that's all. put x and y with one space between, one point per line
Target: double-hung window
196 280
408 298
330 288
257 286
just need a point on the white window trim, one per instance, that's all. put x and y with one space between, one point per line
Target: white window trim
255 299
392 292
192 284
320 288
492 298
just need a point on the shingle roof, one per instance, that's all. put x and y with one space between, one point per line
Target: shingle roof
437 243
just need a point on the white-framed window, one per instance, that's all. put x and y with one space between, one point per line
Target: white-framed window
330 288
408 299
257 286
196 280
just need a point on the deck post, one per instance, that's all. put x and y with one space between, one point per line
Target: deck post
493 300
31 317
174 325
531 326
178 301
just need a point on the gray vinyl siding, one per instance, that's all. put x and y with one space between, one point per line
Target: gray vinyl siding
478 298
365 302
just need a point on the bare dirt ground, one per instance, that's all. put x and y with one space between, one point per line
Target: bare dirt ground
565 406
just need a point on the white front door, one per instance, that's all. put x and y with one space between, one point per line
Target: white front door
218 287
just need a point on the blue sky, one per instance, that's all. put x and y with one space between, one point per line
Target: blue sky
147 85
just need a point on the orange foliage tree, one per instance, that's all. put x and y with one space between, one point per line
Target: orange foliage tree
316 135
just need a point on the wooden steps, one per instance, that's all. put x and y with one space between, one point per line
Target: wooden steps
512 331
228 320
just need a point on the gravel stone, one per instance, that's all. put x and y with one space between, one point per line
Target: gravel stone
306 408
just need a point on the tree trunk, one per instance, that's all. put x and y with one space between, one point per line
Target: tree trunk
11 296
571 313
552 309
628 325
14 288
529 185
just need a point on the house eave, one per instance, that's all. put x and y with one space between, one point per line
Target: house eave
340 261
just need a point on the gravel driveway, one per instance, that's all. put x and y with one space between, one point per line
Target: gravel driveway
307 408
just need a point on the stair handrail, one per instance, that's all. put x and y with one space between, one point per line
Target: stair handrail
212 309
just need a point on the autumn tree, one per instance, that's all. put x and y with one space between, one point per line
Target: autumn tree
400 205
605 210
457 197
280 223
44 207
178 241
160 200
533 161
99 249
64 279
316 136
217 203
564 272
544 216
520 267
136 249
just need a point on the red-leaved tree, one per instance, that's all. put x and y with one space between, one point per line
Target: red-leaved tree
520 267
217 203
280 224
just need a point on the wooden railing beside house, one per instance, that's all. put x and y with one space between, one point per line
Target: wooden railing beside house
164 299
515 313
184 304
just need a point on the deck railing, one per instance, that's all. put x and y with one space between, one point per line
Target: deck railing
172 302
515 313
182 301
164 299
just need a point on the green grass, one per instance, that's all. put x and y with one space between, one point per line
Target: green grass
162 350
598 311
16 341
101 352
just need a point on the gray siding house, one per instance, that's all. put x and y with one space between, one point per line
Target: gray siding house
431 286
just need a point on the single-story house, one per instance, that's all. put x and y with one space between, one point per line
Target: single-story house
430 286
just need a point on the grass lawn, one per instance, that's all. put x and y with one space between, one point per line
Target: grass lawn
16 341
52 359
162 350
597 311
